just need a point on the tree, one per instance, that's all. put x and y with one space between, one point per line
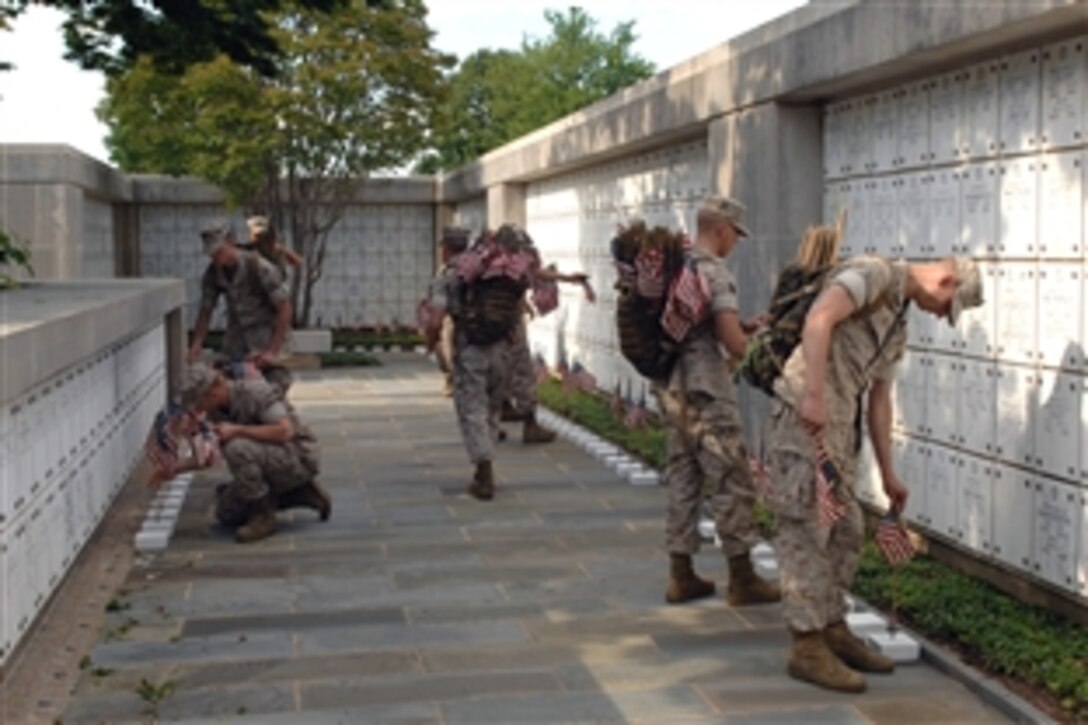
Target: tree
353 93
110 35
498 95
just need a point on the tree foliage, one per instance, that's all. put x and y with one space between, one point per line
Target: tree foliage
111 35
498 95
353 93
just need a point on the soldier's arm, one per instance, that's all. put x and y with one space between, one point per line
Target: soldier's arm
283 323
280 295
196 347
833 306
880 433
290 255
730 333
279 431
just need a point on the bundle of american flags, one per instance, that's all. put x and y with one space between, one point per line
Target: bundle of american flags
687 302
893 540
829 508
545 295
491 257
161 447
650 273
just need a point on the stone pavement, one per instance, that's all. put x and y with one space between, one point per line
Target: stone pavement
415 603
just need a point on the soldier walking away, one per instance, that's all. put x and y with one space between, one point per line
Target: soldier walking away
258 306
272 456
705 443
852 340
483 292
454 242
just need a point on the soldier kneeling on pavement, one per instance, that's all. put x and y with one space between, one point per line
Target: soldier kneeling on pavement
272 456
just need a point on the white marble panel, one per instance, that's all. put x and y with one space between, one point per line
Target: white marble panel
913 230
1020 102
1019 210
1013 533
941 498
909 414
1017 400
920 327
1015 322
857 121
942 422
977 326
1060 323
909 459
1082 542
974 486
834 141
979 210
1061 206
1065 93
947 130
885 121
976 400
855 195
1058 423
980 118
883 219
945 216
1056 530
913 125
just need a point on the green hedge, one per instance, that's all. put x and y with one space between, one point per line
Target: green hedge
345 358
994 630
346 339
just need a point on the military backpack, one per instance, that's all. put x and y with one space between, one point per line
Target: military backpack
490 308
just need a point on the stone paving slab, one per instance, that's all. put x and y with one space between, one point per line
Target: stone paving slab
418 604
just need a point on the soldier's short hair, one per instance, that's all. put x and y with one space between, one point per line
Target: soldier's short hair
968 287
197 379
214 234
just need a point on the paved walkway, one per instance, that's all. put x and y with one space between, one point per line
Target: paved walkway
415 603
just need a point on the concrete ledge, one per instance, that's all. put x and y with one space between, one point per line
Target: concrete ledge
47 164
307 341
47 326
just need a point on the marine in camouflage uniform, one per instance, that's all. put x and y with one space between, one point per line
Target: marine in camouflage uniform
705 438
272 457
258 306
479 380
859 322
454 242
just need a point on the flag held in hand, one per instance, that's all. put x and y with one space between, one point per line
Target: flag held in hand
893 540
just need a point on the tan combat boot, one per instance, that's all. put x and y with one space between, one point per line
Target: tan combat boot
261 523
684 584
483 483
748 587
854 652
310 496
812 661
533 432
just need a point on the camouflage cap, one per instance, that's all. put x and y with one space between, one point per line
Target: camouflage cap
214 234
258 224
723 207
455 238
195 381
968 288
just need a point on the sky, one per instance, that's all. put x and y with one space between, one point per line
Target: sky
47 99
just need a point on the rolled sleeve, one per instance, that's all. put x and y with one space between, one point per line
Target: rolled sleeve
865 280
274 413
723 288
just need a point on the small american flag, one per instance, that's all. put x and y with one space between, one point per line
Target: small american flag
637 415
893 540
829 508
616 404
650 268
761 477
688 302
582 378
161 448
545 295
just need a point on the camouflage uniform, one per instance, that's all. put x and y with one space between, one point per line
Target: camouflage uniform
444 349
705 442
817 565
479 376
259 468
251 309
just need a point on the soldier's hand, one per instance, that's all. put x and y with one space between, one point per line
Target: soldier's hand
813 413
227 431
896 492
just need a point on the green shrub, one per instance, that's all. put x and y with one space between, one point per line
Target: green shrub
342 359
1000 633
14 254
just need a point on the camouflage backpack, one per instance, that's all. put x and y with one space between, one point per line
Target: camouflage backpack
770 348
490 308
647 260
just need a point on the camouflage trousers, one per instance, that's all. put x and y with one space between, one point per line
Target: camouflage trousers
816 565
521 384
479 379
707 459
259 470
